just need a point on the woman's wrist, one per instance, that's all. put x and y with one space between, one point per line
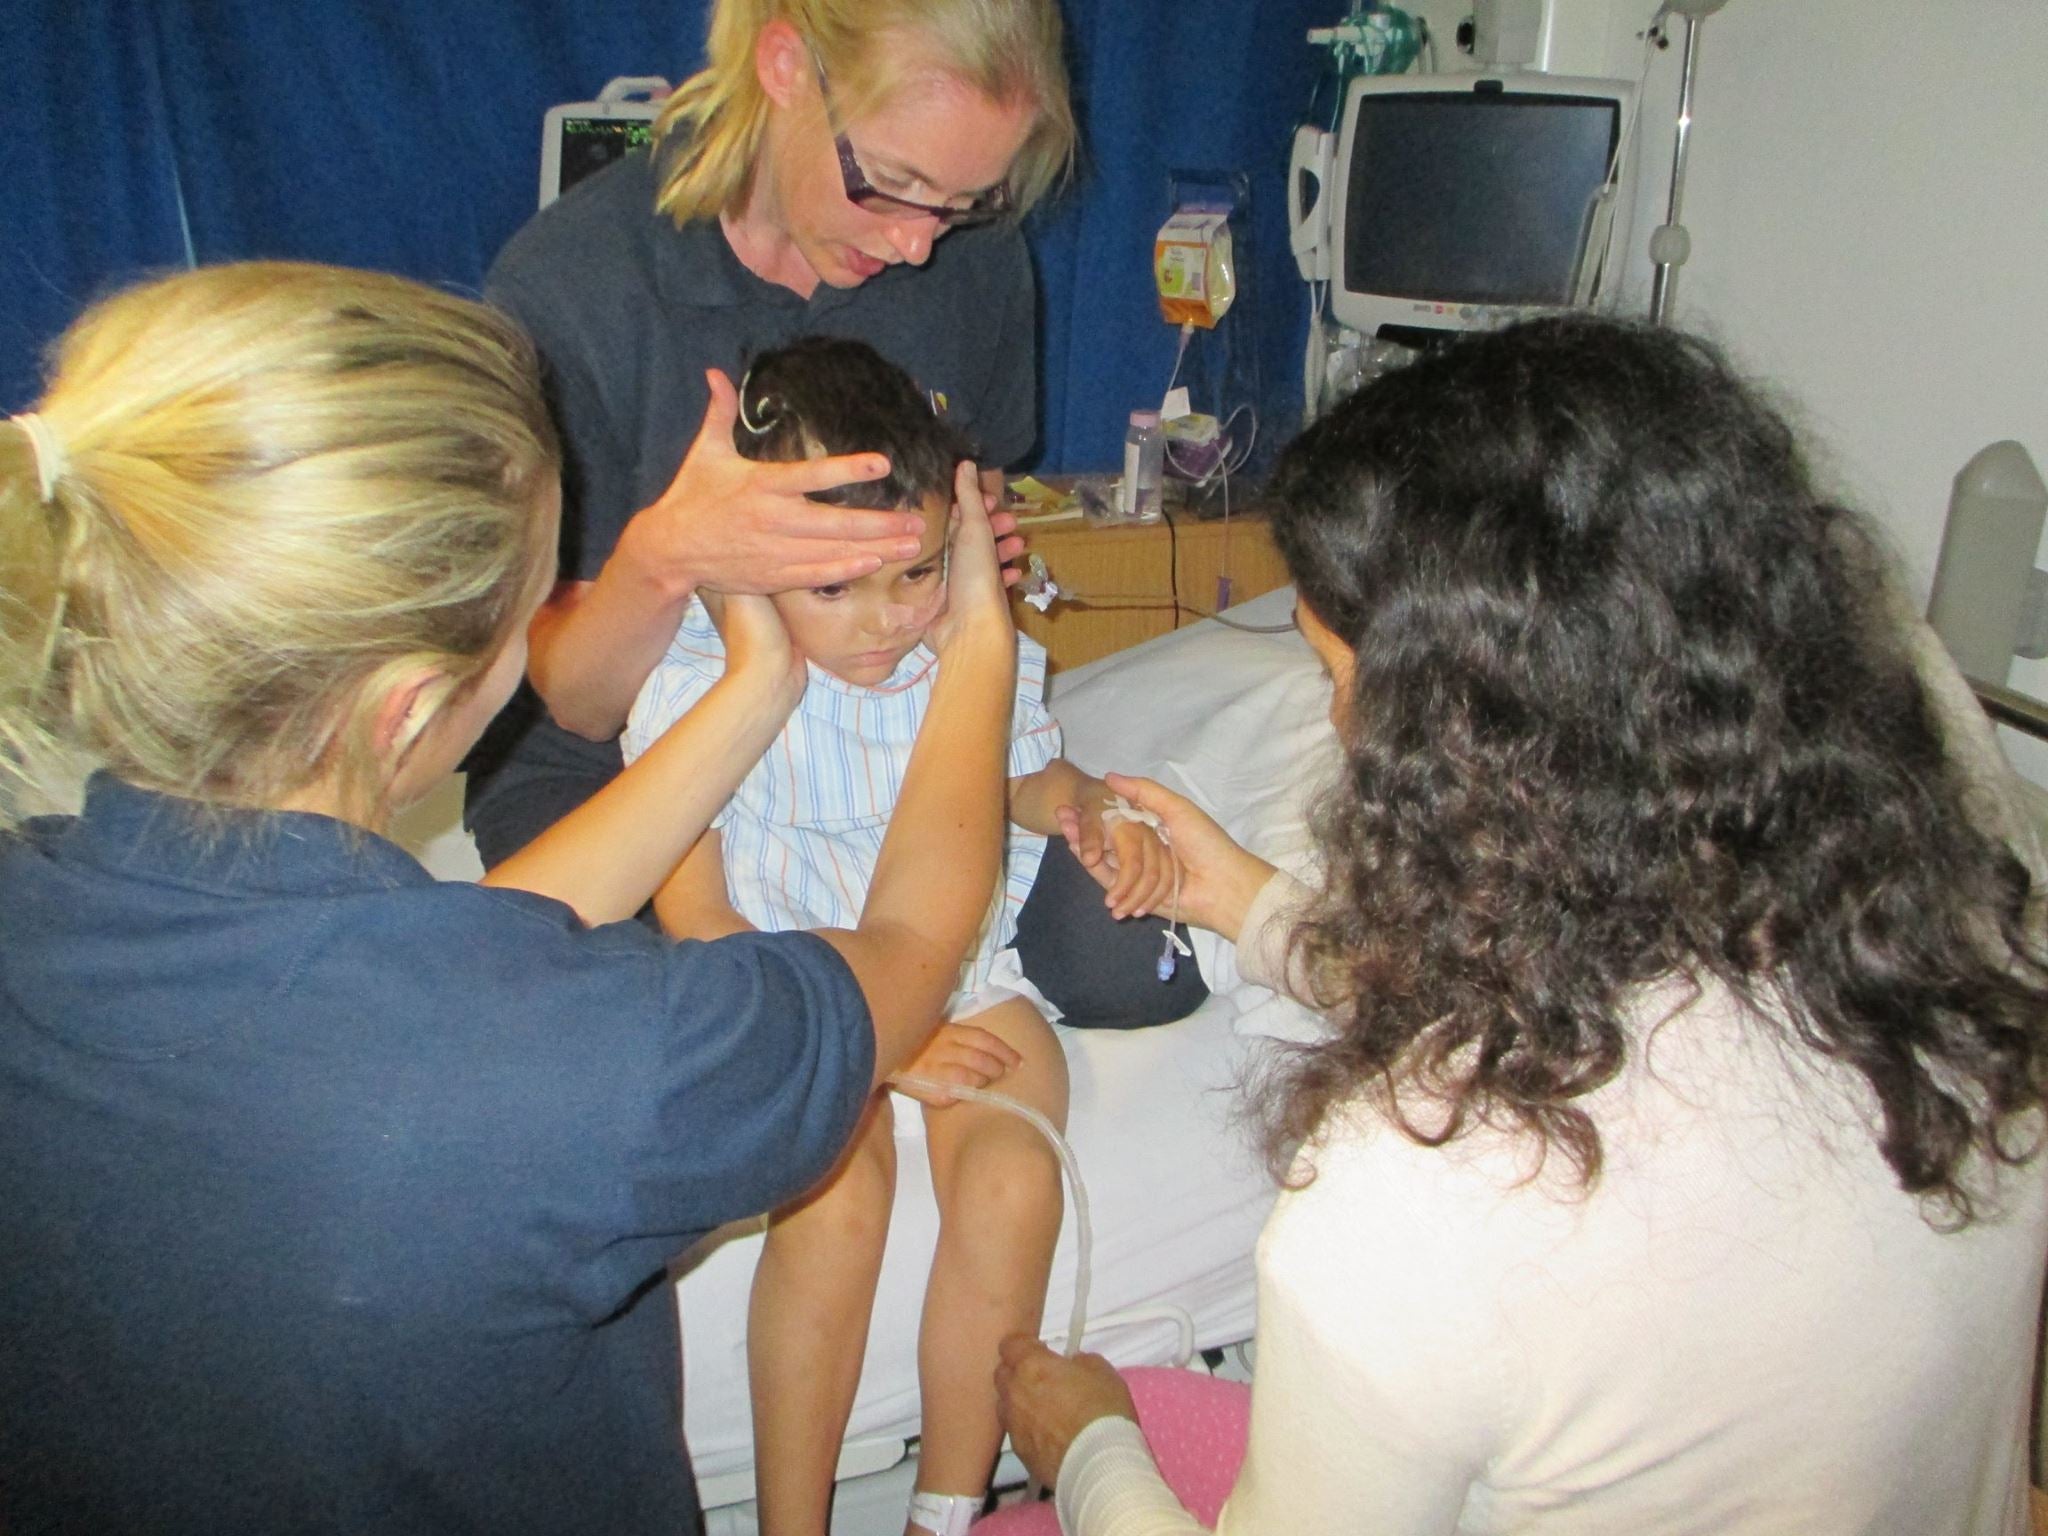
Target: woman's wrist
1269 919
985 644
642 560
1240 908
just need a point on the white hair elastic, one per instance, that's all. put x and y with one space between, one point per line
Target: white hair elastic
45 449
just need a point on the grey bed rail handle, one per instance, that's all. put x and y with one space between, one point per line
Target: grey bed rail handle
2009 708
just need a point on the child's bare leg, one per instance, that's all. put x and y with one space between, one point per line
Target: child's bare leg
998 1187
807 1326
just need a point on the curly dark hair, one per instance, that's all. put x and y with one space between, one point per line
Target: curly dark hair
822 395
1631 701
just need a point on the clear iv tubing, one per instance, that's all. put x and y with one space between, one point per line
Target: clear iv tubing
1070 1165
1084 1236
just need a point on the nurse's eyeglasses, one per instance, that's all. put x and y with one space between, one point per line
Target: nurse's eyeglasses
862 193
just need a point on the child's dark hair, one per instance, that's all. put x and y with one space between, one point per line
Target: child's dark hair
822 395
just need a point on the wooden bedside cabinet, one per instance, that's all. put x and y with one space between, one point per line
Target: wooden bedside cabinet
1122 579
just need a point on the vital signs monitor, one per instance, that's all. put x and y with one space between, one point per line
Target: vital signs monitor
1458 201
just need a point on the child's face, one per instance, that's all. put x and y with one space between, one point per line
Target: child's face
859 630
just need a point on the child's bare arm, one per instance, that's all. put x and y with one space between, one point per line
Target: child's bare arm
1035 798
693 902
1138 863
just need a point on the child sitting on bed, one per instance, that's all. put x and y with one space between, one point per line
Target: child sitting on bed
794 849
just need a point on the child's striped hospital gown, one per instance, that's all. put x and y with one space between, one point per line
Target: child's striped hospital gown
801 834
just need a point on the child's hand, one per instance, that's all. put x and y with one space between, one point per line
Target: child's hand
1129 859
959 1053
757 642
1218 878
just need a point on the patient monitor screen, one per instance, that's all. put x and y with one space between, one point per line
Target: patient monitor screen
589 144
1473 198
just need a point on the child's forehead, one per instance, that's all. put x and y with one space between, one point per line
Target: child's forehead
937 510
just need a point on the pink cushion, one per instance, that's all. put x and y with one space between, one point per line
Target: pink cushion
1196 1426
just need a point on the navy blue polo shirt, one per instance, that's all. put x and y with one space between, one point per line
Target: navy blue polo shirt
333 1198
627 311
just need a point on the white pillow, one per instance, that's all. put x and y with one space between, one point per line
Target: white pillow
1237 722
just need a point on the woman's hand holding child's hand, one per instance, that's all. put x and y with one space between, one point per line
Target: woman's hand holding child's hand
1218 879
964 1054
1130 859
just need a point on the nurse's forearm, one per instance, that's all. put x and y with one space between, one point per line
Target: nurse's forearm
607 857
593 643
941 855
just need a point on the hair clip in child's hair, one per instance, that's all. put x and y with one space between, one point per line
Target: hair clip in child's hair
746 418
936 399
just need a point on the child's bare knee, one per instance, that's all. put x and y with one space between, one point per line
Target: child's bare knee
851 1207
1004 1179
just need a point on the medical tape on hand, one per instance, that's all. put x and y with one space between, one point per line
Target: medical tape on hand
1120 809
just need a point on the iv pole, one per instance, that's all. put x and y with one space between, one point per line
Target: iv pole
1670 244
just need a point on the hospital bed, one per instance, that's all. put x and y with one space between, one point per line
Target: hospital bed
1176 1189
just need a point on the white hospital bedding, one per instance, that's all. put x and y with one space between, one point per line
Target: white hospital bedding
1176 1192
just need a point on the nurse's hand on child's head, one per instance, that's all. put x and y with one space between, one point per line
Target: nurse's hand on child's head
977 603
962 1054
757 642
746 526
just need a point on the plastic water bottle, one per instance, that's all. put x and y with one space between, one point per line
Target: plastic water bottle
1144 467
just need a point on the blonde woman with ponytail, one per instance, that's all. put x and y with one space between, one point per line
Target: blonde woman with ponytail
333 1198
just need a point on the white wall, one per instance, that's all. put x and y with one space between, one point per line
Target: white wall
1868 199
432 832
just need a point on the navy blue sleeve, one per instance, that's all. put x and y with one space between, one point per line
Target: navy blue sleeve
727 1084
595 1099
770 1041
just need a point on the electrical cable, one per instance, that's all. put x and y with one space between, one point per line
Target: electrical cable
1611 185
1150 602
1172 562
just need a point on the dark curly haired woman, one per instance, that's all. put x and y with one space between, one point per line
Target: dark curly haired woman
1670 1161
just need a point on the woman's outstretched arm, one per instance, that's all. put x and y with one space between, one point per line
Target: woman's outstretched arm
607 857
943 850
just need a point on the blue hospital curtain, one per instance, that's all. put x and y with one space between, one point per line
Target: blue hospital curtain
143 134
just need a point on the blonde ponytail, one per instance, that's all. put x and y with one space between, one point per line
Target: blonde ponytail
282 486
710 130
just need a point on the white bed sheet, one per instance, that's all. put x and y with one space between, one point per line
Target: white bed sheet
1176 1199
1177 1194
